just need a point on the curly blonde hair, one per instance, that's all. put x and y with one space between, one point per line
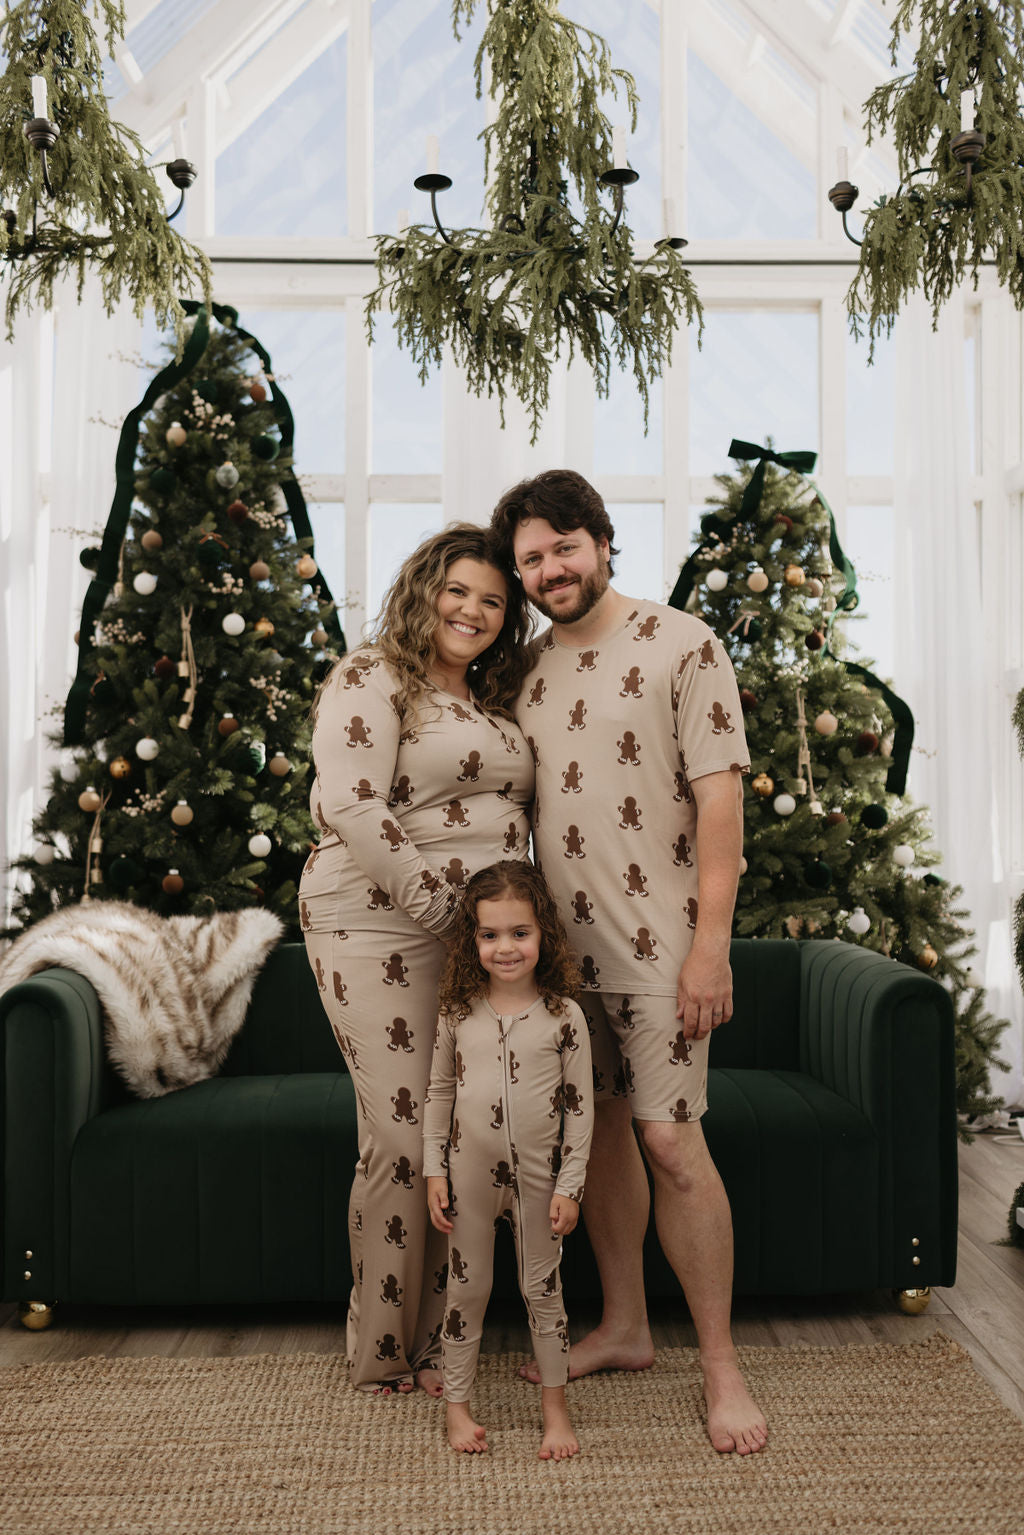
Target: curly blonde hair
464 978
405 632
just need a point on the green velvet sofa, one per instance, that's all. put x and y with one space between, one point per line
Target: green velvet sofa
831 1119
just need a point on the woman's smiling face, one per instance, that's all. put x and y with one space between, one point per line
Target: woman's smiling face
470 610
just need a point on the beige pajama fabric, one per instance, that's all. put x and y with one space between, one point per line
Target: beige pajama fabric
509 1120
408 810
618 733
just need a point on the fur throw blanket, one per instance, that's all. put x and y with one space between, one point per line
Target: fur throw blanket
174 990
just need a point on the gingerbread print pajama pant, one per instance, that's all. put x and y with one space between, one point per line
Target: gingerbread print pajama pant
380 994
481 1197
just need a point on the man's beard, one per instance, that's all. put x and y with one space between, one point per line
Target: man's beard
590 590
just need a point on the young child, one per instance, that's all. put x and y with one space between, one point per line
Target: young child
507 1124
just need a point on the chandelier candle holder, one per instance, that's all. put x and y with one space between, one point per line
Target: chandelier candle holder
546 279
959 136
76 192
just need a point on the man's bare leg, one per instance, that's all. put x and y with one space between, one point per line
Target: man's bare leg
616 1207
694 1222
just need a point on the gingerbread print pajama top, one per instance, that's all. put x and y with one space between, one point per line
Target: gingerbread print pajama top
509 1119
408 809
617 732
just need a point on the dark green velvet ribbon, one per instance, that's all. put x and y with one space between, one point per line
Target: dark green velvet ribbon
103 581
802 461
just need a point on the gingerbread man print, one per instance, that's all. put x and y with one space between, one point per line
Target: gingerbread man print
358 732
590 972
572 779
691 912
629 749
644 945
457 1266
318 971
399 1036
363 789
393 835
395 971
339 990
719 718
625 1013
404 1103
574 841
681 849
353 677
536 693
456 873
391 1290
588 660
511 838
629 815
679 1050
706 656
648 628
456 814
632 684
636 881
470 768
387 1348
379 900
404 1172
577 715
453 1325
582 908
401 792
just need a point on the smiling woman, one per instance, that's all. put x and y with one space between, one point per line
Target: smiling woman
422 778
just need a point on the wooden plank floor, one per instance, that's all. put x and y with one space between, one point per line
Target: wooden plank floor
984 1310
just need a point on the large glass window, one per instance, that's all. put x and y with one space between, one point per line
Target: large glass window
869 542
406 413
395 531
327 519
755 377
870 413
631 30
307 351
640 566
285 173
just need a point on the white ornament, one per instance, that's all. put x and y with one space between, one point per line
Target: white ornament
813 587
227 475
903 855
43 853
175 434
147 748
233 623
757 581
743 864
145 583
858 921
972 977
260 845
68 768
717 580
826 724
783 804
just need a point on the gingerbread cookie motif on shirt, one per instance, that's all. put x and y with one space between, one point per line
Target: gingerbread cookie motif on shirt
632 684
629 749
720 720
578 715
358 732
636 880
471 766
405 1104
572 779
629 815
395 971
681 852
573 843
399 1036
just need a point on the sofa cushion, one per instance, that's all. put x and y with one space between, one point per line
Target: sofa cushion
286 1028
234 1190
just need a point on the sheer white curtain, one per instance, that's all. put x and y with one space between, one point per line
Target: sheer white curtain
60 375
951 666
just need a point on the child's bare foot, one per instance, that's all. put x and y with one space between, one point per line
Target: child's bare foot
428 1378
559 1441
602 1350
735 1422
463 1432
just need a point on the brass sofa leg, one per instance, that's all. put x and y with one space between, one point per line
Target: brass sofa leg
913 1302
36 1315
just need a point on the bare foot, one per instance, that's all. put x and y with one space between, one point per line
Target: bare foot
463 1432
735 1423
601 1350
559 1441
428 1378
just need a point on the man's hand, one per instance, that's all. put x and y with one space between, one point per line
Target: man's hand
564 1213
437 1204
704 991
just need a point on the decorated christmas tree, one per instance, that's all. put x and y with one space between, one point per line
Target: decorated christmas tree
183 781
833 848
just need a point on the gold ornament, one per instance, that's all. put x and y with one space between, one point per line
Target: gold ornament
89 799
182 814
259 570
319 637
175 435
228 725
279 765
913 1302
264 626
763 785
120 768
793 575
928 958
151 540
306 567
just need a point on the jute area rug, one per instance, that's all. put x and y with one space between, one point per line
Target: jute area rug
880 1438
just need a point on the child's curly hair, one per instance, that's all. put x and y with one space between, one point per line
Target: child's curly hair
464 978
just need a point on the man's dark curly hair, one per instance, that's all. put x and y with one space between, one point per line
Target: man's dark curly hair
464 978
563 498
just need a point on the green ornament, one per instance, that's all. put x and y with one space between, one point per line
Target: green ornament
210 552
266 448
874 817
163 480
753 631
207 389
103 691
249 758
89 559
818 874
124 872
933 879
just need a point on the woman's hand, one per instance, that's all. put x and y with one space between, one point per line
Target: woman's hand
564 1213
437 1204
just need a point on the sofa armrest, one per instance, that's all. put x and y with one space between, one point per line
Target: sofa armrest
55 1078
882 1036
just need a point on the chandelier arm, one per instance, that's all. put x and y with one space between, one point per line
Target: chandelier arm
178 207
